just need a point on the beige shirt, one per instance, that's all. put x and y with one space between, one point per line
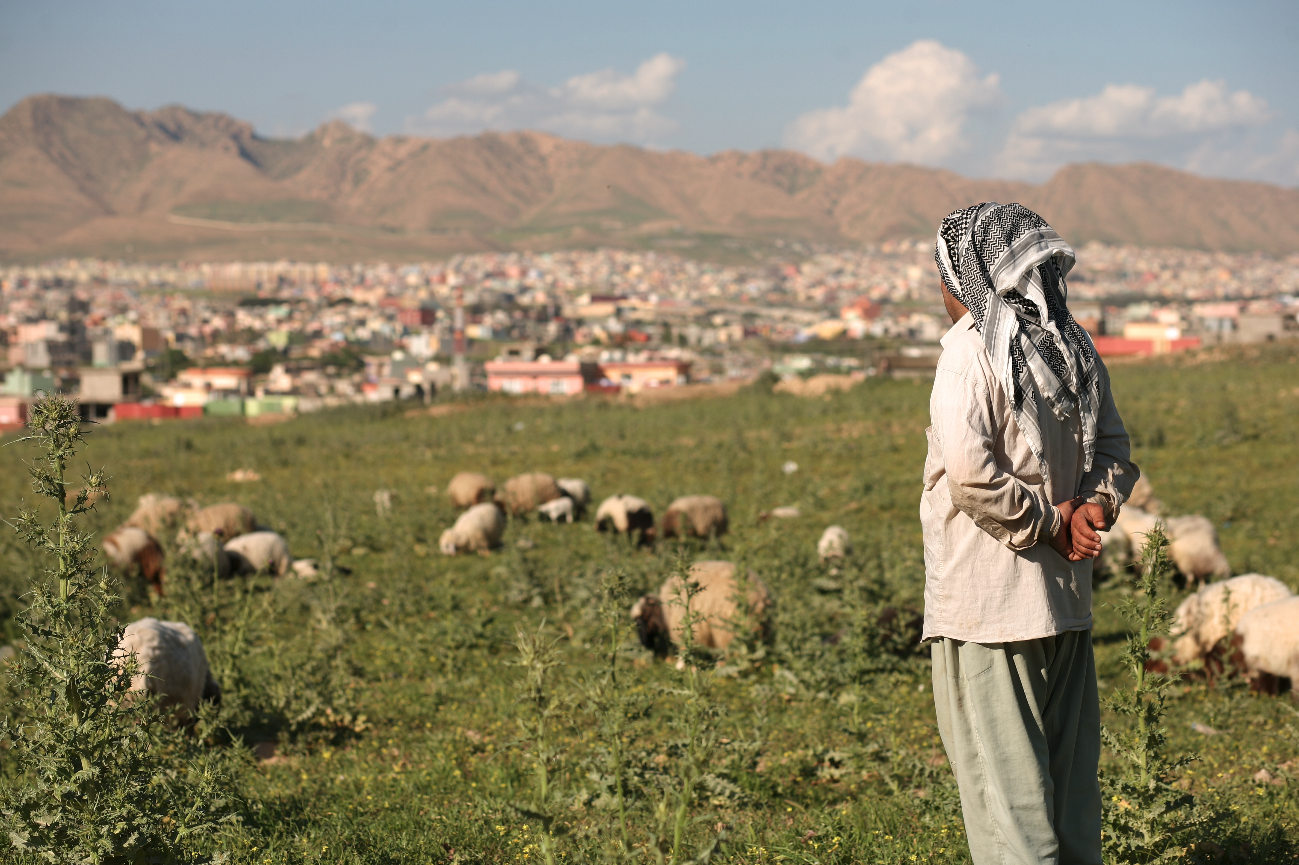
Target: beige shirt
988 514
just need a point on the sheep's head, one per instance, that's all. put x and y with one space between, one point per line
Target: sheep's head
651 625
671 524
447 543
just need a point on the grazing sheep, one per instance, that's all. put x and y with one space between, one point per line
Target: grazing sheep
834 544
258 551
1116 552
558 511
157 514
1212 613
784 512
132 549
527 492
1267 643
205 548
578 490
227 520
659 618
1193 542
171 663
1143 496
92 496
695 516
478 529
626 514
470 488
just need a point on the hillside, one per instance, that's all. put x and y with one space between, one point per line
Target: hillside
88 177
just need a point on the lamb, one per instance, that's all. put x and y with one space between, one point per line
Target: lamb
157 514
527 492
1193 542
626 514
834 544
258 551
659 618
558 511
478 529
695 516
578 490
470 488
170 663
1267 644
227 520
205 548
132 549
1211 614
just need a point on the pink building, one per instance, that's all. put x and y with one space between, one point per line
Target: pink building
553 377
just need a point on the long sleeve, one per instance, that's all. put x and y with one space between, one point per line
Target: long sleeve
1016 513
1112 475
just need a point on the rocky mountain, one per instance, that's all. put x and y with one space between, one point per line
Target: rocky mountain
88 177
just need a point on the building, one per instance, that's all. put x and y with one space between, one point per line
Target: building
633 376
544 376
26 382
216 379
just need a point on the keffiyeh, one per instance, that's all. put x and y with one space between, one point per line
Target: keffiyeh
1008 267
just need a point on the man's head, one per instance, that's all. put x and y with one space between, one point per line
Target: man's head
955 309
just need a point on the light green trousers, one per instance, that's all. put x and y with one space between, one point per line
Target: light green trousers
1021 725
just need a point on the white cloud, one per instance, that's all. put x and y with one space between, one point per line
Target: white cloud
1126 122
913 105
606 105
356 114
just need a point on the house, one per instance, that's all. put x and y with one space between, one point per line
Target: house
633 376
102 388
543 375
26 382
216 379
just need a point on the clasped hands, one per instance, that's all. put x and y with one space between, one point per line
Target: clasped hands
1077 538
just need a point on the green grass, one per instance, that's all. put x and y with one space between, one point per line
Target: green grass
830 751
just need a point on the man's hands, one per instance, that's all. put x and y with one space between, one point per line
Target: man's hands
1076 539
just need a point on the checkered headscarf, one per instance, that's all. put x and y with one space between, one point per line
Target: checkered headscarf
1007 266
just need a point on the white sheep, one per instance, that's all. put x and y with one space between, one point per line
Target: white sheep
1267 639
132 549
558 511
1212 613
695 516
257 551
578 490
1193 542
171 663
834 544
157 513
624 515
205 549
478 529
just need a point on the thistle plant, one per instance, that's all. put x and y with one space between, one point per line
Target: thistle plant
101 778
1145 818
542 711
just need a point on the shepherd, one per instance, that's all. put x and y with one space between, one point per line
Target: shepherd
1027 458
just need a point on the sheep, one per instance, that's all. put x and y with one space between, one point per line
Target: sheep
525 493
1212 613
1267 644
834 544
1116 552
205 548
157 513
558 511
626 514
227 520
478 529
1193 542
258 551
784 512
578 490
470 488
170 663
1143 496
695 516
133 549
659 618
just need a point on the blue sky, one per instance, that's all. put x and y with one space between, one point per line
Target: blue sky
1011 89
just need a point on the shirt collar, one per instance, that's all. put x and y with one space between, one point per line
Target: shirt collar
966 323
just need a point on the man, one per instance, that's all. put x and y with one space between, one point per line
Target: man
1027 458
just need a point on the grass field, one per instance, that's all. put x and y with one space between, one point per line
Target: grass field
407 731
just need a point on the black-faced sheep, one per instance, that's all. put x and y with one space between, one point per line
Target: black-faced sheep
478 530
227 520
834 544
158 514
558 511
171 663
525 493
659 618
133 550
695 516
625 515
578 490
1267 644
259 551
470 488
1211 614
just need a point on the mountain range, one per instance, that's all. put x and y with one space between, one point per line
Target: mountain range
86 176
